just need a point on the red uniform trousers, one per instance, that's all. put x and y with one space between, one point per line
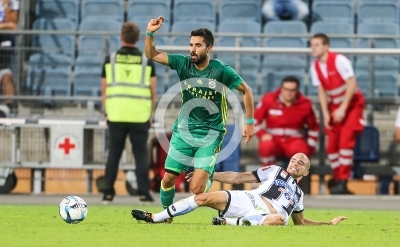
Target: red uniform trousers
342 139
281 147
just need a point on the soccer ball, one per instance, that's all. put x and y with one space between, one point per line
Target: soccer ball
73 209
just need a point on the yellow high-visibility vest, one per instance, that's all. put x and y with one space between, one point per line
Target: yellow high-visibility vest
128 95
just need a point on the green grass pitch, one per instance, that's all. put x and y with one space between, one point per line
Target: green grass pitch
113 226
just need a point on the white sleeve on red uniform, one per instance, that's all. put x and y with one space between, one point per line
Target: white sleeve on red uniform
344 67
314 77
397 124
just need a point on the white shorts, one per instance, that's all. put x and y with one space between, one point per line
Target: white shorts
241 203
4 72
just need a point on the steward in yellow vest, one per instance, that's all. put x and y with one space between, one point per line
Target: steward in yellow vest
128 90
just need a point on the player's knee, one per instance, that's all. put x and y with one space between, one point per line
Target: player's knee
168 180
202 199
197 188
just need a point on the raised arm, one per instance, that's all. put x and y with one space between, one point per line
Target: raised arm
149 44
298 219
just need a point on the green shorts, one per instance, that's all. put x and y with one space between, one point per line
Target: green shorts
187 151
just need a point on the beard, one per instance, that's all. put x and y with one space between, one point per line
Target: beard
198 58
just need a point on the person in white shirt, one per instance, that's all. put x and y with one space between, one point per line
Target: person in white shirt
276 199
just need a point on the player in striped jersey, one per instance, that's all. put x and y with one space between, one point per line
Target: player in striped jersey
276 199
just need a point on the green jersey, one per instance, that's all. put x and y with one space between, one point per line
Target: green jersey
204 93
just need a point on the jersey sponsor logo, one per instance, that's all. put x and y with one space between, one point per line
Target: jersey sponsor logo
287 189
275 112
265 168
212 84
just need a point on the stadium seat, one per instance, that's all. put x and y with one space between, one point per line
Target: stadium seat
247 10
96 45
379 28
231 153
378 12
385 83
250 76
380 64
144 10
103 9
56 44
51 9
51 81
246 61
187 27
40 62
201 10
335 11
172 78
271 80
329 28
367 145
58 24
87 81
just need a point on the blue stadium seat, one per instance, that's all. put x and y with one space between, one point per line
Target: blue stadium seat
144 10
329 27
51 9
201 10
87 80
103 9
380 64
59 24
385 83
39 63
232 161
250 76
376 12
56 44
187 27
172 78
247 10
379 28
271 80
367 145
246 61
161 73
95 45
335 11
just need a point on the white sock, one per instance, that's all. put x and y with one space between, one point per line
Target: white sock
181 207
255 220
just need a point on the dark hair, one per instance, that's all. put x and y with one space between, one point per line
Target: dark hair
206 34
323 37
130 32
291 78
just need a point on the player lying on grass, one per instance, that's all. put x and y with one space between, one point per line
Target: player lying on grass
277 198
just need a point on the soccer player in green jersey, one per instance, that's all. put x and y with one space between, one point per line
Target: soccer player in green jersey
200 127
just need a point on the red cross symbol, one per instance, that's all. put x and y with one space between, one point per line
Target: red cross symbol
66 146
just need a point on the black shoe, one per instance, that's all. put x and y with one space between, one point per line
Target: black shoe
107 198
146 198
218 221
142 216
340 188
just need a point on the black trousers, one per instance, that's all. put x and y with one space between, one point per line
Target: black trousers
138 134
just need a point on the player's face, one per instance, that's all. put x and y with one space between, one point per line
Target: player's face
298 166
198 50
289 91
317 47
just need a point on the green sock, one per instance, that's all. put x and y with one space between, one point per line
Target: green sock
167 196
208 185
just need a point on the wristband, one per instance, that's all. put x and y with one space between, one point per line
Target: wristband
250 121
150 34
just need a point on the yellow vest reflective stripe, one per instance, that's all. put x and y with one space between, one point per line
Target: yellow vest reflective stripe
128 95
